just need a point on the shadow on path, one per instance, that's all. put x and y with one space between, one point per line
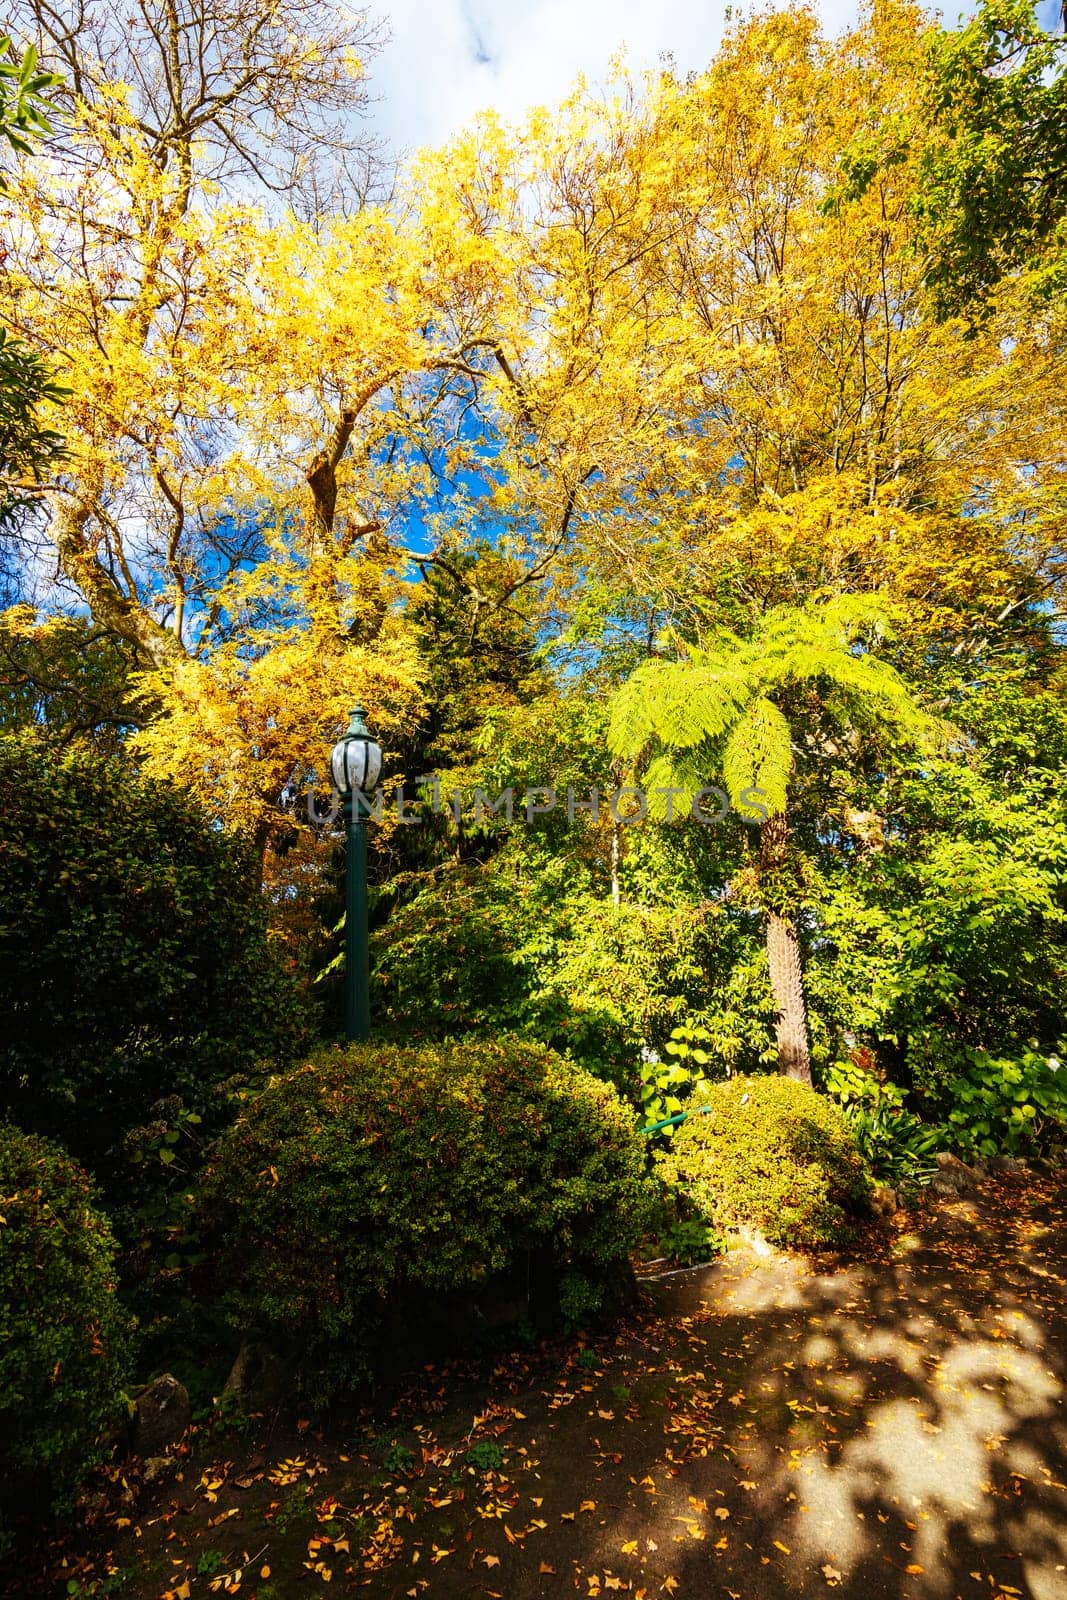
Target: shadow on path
889 1428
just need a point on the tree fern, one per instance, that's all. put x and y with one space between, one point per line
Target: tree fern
759 755
722 702
720 708
678 704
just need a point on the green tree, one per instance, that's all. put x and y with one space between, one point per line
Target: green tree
943 913
66 677
25 97
804 692
993 192
134 960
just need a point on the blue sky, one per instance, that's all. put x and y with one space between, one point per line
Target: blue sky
449 59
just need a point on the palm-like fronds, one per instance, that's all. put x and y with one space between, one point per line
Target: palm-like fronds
722 702
759 755
678 704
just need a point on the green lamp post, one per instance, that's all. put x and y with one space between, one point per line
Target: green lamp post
355 762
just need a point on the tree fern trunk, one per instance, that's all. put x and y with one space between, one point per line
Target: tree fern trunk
783 961
787 986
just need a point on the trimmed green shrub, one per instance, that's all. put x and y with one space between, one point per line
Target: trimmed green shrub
64 1339
134 958
772 1154
375 1178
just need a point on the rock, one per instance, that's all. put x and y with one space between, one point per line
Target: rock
952 1171
1008 1164
944 1189
161 1416
257 1379
159 1469
755 1240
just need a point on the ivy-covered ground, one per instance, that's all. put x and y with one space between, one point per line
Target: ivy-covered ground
886 1426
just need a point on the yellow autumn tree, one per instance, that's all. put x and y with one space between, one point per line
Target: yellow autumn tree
660 345
730 387
234 370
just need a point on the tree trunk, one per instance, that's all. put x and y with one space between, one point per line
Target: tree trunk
787 986
783 961
121 614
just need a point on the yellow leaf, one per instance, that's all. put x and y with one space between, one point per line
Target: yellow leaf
630 1547
784 1548
491 1561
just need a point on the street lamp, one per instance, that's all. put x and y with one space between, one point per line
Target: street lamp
355 763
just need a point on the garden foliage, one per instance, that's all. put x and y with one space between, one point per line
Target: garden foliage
371 1180
899 1146
64 1339
1009 1106
771 1154
134 960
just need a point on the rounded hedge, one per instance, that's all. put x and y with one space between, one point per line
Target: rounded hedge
64 1339
380 1176
771 1154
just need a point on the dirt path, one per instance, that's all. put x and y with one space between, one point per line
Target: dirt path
887 1427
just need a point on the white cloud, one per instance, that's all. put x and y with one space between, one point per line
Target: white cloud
449 59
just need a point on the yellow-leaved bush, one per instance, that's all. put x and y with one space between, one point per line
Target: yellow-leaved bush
770 1154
